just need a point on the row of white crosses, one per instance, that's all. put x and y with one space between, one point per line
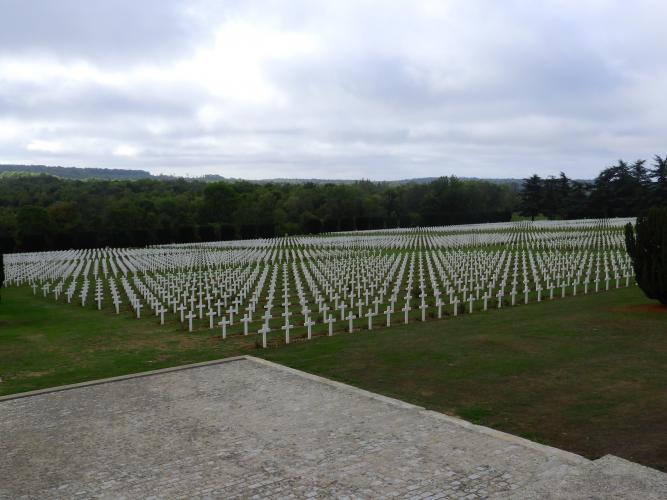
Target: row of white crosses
340 282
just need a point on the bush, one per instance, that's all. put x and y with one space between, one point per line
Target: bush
647 245
2 272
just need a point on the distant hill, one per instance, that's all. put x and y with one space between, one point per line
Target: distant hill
120 174
75 172
416 180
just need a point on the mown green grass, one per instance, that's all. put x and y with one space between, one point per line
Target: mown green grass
587 374
45 344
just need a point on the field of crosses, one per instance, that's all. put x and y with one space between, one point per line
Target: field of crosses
295 288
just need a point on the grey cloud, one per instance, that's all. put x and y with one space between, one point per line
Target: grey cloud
391 90
38 101
117 32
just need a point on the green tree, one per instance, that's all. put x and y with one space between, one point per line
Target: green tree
564 191
220 199
2 273
641 186
531 196
33 228
614 192
8 228
659 175
577 201
647 245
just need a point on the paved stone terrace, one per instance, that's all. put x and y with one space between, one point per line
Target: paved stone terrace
252 429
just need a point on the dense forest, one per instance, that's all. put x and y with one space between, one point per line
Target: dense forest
42 212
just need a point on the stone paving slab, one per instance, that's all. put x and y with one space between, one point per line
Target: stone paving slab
248 428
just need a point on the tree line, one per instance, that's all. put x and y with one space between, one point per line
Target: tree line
42 212
621 190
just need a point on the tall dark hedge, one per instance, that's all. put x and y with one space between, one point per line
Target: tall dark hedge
2 272
647 245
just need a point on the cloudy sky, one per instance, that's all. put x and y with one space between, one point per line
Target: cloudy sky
333 89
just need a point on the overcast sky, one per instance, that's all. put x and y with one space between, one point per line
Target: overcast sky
333 89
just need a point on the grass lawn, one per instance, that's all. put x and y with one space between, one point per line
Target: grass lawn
45 344
587 374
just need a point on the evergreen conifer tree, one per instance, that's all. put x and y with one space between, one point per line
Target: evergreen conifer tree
2 273
647 245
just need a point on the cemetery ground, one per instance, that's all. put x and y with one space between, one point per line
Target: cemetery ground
585 373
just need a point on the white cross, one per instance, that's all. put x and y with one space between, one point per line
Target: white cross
264 330
330 320
246 319
406 309
456 302
342 310
162 310
210 314
370 315
423 307
308 323
267 316
287 328
439 303
351 317
190 315
224 323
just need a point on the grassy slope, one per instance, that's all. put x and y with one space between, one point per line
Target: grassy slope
586 374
